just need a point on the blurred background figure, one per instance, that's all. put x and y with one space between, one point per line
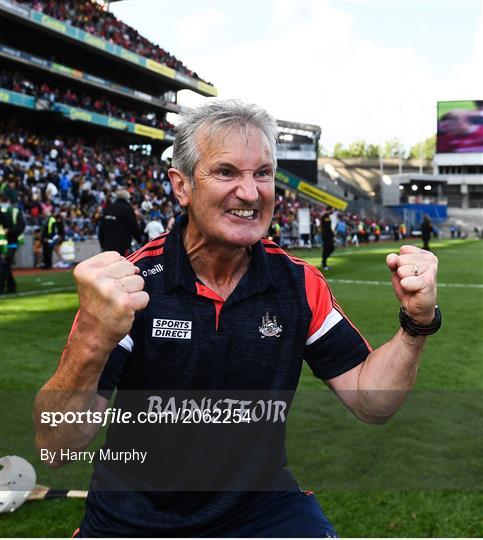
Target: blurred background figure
153 229
37 247
50 237
15 225
118 225
426 230
341 230
327 237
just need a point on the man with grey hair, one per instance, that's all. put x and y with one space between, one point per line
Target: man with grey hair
213 307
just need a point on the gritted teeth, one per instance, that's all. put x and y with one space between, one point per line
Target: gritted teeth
243 213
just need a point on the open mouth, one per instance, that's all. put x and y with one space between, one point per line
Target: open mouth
244 214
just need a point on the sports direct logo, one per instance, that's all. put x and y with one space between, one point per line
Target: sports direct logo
171 329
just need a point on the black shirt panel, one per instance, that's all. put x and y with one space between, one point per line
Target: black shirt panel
184 340
338 351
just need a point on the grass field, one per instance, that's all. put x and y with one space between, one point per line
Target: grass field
421 475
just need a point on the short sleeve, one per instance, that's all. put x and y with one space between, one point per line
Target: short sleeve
334 345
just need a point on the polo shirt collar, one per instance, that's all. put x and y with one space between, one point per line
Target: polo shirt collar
178 270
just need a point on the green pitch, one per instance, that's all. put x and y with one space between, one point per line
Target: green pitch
420 475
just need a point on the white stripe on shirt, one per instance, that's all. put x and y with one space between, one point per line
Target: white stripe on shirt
330 321
127 343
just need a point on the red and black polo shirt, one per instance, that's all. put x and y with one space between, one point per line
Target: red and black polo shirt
189 339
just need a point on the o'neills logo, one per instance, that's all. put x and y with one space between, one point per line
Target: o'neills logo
154 270
171 329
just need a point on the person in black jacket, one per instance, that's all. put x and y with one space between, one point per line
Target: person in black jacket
15 225
119 225
327 237
426 230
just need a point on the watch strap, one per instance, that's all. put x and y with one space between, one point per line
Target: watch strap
414 329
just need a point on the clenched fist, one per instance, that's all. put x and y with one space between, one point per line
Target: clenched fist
414 281
110 292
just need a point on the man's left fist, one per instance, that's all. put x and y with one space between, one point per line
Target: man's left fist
414 281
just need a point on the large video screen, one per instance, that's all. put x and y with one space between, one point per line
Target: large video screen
460 126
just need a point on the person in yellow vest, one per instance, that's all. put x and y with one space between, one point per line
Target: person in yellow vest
14 237
377 231
4 227
50 237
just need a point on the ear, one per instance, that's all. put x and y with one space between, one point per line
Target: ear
181 186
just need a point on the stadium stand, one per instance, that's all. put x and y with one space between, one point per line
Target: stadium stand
106 115
100 103
92 18
83 104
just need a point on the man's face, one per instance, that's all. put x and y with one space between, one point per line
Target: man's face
233 198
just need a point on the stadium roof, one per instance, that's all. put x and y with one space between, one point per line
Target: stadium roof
300 128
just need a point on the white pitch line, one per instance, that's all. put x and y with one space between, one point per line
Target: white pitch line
35 293
367 282
331 280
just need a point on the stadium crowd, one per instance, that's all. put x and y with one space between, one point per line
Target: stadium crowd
92 18
67 179
60 94
348 228
74 181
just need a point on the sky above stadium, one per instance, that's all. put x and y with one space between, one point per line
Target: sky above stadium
359 69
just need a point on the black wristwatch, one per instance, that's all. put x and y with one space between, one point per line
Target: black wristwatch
414 329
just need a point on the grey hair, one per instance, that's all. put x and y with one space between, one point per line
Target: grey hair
217 115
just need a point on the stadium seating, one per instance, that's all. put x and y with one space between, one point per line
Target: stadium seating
90 17
99 103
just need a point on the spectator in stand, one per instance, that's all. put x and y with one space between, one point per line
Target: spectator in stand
19 83
119 225
65 185
327 237
92 18
153 229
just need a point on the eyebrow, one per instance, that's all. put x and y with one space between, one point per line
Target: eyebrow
227 164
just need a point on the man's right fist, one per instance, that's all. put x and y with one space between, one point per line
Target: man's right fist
110 292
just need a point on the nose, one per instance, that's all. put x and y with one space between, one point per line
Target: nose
247 189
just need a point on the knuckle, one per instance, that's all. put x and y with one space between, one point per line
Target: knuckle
124 304
78 271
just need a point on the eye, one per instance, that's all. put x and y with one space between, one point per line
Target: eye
264 173
224 173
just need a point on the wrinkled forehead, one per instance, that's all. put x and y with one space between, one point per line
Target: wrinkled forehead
213 140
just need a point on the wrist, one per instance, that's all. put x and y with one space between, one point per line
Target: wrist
90 337
423 326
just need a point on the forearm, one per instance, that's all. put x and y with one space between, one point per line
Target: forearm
72 388
110 292
387 376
